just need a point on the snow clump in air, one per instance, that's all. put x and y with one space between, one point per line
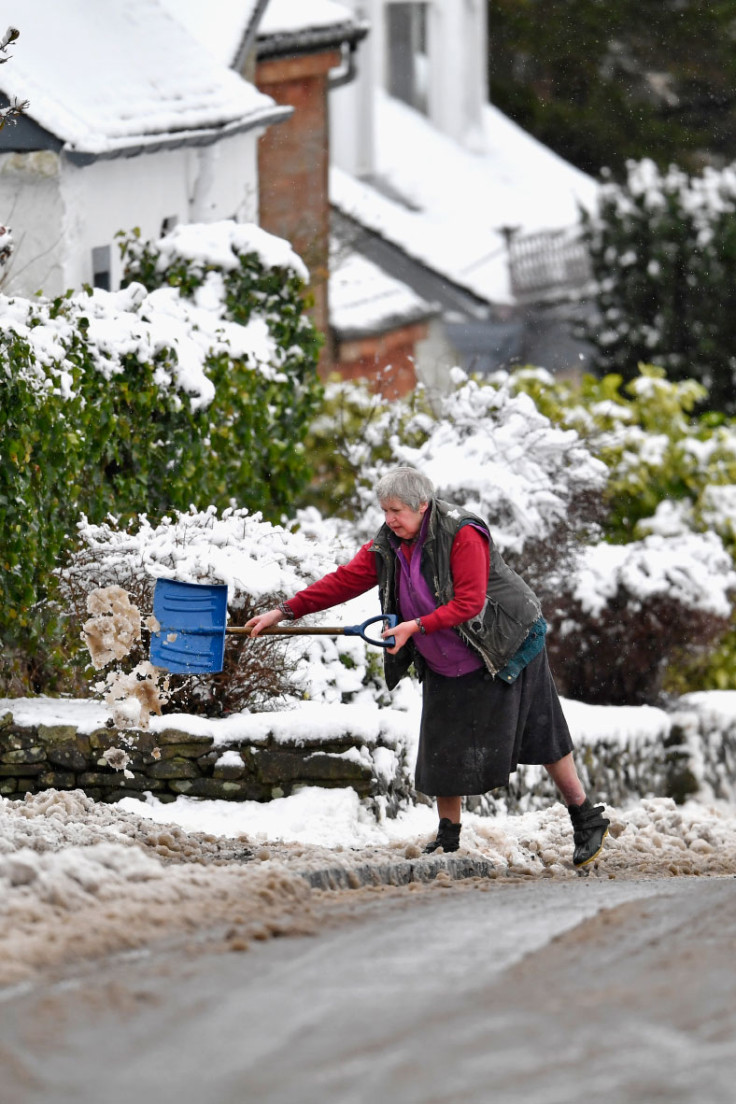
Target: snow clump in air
110 634
133 696
115 625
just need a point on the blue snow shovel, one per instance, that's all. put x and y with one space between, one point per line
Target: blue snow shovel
192 623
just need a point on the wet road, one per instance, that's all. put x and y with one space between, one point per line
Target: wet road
613 992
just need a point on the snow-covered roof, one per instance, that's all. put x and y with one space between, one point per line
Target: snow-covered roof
366 300
222 26
455 214
113 77
299 26
282 16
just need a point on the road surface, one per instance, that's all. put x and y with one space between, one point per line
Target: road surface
594 991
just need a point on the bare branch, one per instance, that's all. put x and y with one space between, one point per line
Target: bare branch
10 35
15 108
12 112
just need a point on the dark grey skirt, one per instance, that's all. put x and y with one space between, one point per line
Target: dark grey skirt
476 729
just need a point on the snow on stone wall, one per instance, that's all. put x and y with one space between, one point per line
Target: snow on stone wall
623 754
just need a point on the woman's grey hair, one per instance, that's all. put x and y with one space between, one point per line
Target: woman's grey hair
409 486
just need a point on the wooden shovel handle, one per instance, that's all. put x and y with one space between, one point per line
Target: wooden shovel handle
289 630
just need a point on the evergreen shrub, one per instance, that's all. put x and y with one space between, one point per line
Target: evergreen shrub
193 385
663 252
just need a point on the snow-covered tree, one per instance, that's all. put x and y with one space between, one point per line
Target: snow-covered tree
663 249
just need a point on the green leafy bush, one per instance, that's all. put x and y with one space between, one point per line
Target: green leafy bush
656 448
196 388
672 479
260 412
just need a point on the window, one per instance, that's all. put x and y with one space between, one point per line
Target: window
168 224
407 53
101 267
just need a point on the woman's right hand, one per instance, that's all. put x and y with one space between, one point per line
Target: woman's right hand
264 621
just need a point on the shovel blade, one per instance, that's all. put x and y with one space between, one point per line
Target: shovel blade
190 639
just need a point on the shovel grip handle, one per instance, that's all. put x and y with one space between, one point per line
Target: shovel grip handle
388 619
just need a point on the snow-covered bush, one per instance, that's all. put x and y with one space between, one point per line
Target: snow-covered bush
557 470
265 388
260 563
629 610
491 450
670 501
151 398
663 250
654 447
484 446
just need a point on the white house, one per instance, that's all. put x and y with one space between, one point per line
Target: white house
440 189
131 123
430 55
140 116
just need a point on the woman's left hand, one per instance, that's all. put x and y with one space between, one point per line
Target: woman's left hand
401 632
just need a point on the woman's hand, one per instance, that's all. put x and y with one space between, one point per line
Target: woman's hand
402 632
264 621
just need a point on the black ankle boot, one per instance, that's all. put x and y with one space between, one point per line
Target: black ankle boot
589 829
448 837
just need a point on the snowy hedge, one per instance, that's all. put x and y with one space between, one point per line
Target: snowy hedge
614 504
622 613
194 384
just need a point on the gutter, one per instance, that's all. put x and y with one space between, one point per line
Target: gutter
153 143
293 43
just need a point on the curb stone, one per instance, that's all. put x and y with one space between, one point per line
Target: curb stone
398 873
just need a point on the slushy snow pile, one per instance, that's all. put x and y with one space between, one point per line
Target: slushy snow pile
80 879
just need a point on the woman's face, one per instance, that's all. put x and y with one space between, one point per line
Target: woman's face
401 519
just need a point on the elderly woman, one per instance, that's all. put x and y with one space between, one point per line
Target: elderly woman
474 631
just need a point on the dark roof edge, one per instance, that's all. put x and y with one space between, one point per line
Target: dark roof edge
204 137
249 34
377 244
289 43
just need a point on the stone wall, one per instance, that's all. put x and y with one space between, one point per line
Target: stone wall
171 762
692 752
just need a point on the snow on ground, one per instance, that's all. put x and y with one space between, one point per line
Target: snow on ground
80 879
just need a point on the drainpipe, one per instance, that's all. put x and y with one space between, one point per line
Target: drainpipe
346 72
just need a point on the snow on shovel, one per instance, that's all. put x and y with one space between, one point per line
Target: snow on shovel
189 637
